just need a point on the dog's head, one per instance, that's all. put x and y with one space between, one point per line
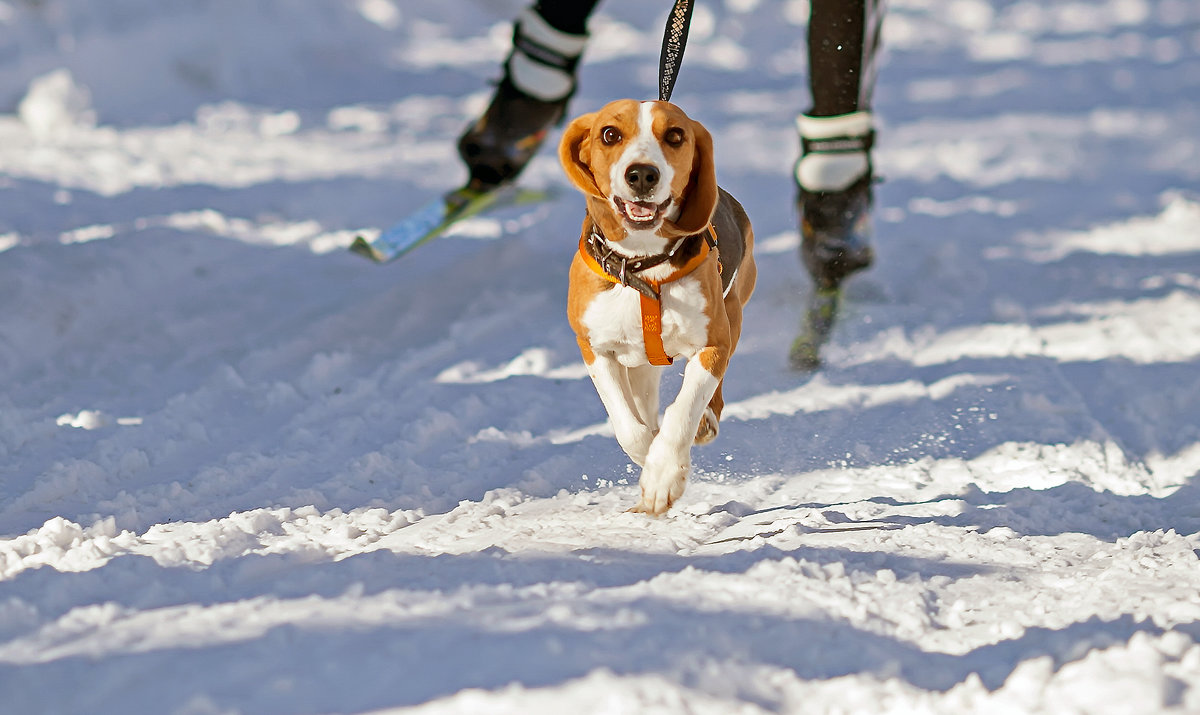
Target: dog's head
644 166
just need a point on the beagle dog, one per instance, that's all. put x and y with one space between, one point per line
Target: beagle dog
664 267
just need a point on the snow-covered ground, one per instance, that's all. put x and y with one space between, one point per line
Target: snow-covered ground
244 471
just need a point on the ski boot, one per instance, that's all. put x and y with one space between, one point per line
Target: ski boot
539 79
834 197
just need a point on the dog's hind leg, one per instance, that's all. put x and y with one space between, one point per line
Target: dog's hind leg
707 431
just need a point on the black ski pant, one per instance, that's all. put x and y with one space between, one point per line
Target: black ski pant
843 38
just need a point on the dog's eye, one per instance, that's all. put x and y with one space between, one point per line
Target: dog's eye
674 136
610 135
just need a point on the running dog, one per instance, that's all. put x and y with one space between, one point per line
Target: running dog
664 268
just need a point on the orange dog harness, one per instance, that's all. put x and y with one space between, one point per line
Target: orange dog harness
615 268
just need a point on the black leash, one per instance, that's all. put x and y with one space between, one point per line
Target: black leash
674 41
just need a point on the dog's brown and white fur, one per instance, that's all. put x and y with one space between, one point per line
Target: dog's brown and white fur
647 172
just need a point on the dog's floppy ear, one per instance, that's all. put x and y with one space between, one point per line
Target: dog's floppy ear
700 196
575 144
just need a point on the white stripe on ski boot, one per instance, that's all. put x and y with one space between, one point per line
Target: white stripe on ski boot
538 79
832 170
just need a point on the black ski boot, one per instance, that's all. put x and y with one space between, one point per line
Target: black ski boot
835 219
835 232
498 146
539 79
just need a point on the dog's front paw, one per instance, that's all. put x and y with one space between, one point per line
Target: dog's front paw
662 485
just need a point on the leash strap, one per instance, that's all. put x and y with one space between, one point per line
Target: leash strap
674 42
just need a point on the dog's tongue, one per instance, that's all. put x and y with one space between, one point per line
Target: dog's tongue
639 210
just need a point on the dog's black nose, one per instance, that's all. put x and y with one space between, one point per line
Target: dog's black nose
642 178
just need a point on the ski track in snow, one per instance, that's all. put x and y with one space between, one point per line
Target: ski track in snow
242 471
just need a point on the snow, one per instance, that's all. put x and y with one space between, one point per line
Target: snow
244 471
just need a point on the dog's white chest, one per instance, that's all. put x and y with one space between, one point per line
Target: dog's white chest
614 322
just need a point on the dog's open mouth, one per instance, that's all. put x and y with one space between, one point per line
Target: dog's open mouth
641 212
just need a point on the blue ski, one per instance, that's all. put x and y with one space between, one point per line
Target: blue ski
435 217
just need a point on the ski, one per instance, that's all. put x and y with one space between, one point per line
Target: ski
434 218
819 318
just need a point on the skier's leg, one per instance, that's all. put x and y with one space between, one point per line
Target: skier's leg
569 16
843 38
539 79
833 175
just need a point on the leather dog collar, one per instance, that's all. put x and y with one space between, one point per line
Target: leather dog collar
600 257
615 268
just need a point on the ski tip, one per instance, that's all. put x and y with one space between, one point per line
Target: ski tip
364 248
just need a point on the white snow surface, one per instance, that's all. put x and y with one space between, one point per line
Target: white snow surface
244 471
